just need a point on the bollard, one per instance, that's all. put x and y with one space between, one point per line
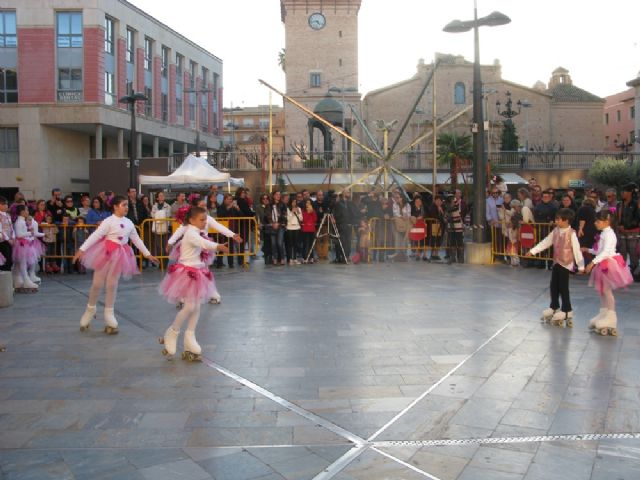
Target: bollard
6 289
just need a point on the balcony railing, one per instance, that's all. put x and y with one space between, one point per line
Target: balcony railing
411 161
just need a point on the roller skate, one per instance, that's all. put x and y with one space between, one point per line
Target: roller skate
592 322
27 287
607 324
216 299
88 315
561 319
32 275
169 341
111 324
192 351
547 314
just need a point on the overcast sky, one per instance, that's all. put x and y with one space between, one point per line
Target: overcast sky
598 42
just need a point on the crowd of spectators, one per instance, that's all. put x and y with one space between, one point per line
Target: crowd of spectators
307 227
535 205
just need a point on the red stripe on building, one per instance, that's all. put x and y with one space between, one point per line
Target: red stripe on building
140 78
157 88
36 67
173 118
121 61
93 72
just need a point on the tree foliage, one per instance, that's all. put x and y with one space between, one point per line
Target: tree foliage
509 137
614 172
452 149
282 59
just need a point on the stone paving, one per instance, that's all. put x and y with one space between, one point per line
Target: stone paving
389 371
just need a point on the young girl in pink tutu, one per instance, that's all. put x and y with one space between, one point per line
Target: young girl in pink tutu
27 251
609 271
108 254
189 281
208 257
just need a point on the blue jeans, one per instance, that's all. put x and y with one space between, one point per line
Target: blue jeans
277 244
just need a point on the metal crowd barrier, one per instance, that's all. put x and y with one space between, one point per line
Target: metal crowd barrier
155 233
385 238
516 243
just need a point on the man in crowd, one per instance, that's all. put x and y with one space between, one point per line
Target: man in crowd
136 213
629 227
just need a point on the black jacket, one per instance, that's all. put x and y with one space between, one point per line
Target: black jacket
629 215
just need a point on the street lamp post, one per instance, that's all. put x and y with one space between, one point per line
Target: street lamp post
197 92
479 173
133 167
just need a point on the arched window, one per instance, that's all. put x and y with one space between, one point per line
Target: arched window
459 94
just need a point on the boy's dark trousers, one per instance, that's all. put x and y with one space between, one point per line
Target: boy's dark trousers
559 288
6 250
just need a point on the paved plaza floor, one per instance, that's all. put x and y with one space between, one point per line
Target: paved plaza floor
369 372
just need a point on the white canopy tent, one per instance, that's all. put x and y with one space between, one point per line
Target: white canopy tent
193 171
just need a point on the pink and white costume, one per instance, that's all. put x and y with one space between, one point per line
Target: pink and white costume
610 271
190 280
212 224
27 249
107 247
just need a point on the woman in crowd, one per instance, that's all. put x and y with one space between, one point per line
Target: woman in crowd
261 207
243 227
276 217
436 227
417 219
160 229
294 221
85 206
212 204
587 230
401 224
97 212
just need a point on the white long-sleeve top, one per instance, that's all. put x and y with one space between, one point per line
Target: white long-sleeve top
575 247
28 230
212 223
606 246
118 230
6 227
192 245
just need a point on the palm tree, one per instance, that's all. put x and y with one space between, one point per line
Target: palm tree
281 59
452 149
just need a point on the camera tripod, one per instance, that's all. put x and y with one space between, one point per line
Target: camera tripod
332 232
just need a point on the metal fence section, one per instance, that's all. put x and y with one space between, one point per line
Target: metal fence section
61 244
155 234
509 243
393 236
62 241
534 160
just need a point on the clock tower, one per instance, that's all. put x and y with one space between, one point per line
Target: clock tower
321 59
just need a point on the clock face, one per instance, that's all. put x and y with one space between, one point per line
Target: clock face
317 21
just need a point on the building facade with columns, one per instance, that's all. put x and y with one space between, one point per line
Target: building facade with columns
63 66
635 84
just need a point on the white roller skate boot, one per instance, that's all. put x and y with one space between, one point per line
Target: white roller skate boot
607 324
110 322
592 322
88 315
216 299
32 275
169 341
17 280
192 351
547 314
561 318
29 287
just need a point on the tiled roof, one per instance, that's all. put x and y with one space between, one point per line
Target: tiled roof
571 93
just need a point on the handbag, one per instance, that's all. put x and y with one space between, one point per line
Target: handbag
401 224
160 228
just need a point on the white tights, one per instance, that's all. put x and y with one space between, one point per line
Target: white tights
191 311
607 300
22 270
109 280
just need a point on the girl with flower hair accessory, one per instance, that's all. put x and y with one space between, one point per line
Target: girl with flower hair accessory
108 254
207 257
609 271
189 281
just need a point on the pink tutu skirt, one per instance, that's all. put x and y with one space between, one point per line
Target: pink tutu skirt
27 251
117 258
183 283
612 273
206 256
